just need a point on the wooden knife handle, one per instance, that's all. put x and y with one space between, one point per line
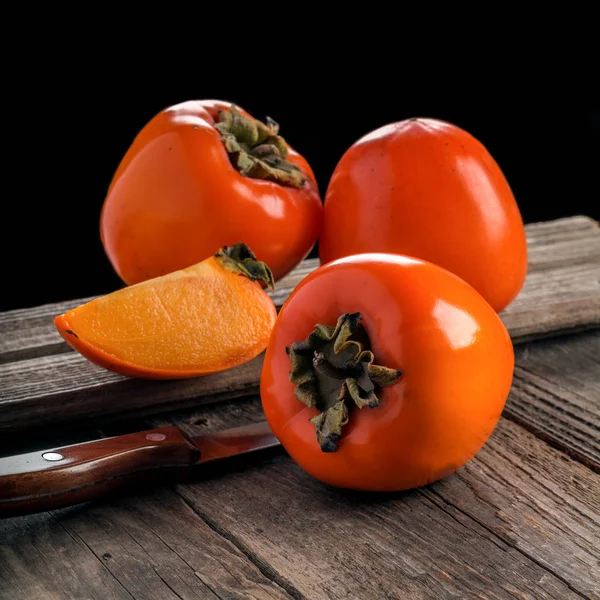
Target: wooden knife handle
64 476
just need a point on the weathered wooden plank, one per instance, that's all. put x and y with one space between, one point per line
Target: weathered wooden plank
563 242
143 547
27 333
30 332
530 499
52 388
559 229
585 249
536 500
66 387
56 388
520 520
556 394
41 560
555 302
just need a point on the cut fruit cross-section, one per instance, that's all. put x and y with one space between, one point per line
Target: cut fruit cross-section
209 317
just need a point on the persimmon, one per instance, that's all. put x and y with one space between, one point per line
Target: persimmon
385 372
429 189
205 174
206 318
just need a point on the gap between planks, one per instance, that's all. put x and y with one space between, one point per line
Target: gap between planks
520 519
53 389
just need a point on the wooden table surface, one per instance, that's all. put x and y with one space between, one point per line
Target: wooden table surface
520 520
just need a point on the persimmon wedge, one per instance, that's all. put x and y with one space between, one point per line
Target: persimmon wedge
206 318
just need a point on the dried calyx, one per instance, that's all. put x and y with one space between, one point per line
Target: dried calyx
240 259
256 149
333 369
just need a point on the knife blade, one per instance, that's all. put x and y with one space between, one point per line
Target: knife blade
61 477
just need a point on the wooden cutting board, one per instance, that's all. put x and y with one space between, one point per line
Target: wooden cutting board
43 382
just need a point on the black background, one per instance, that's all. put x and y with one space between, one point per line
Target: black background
68 132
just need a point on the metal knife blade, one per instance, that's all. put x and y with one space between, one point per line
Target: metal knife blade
235 441
60 477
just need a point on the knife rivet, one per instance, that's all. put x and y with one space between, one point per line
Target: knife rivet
52 456
156 437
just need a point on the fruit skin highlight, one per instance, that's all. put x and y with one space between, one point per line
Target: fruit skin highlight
209 317
454 354
194 180
428 189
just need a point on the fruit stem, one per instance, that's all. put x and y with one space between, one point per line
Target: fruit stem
333 370
256 149
240 259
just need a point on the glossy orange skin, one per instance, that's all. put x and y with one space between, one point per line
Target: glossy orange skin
455 354
426 188
176 197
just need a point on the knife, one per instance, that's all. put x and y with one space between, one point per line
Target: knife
60 477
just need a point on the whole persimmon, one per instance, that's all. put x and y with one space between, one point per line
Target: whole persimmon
385 372
205 174
429 189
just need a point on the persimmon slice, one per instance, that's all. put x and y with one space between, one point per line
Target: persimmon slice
206 318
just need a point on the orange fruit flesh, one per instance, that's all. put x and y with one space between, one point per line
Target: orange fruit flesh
190 322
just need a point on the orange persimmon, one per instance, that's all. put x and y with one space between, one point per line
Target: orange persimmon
385 372
199 320
428 189
205 174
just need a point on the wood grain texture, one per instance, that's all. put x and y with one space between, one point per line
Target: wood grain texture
141 547
58 388
556 394
30 332
519 494
518 506
53 388
521 520
27 333
536 500
40 559
555 302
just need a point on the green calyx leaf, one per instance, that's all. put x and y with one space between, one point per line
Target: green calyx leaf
256 149
240 259
333 370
